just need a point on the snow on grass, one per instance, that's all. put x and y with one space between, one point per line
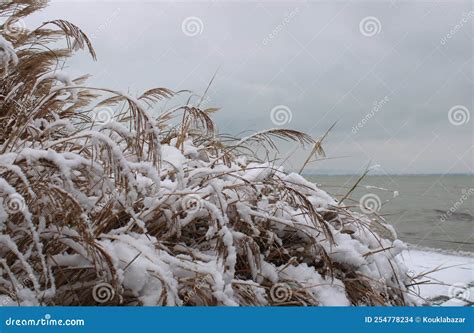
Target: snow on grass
450 277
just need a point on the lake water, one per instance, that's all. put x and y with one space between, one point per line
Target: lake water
417 206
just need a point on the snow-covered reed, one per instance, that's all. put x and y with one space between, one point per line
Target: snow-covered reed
103 200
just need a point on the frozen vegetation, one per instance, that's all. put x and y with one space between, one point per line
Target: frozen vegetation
104 200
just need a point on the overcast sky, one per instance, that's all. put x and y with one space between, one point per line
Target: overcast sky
388 72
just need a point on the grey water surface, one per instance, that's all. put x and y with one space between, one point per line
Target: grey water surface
434 211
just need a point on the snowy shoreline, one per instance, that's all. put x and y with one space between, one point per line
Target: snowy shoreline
450 275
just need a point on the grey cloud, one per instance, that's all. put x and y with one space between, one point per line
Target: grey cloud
309 56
